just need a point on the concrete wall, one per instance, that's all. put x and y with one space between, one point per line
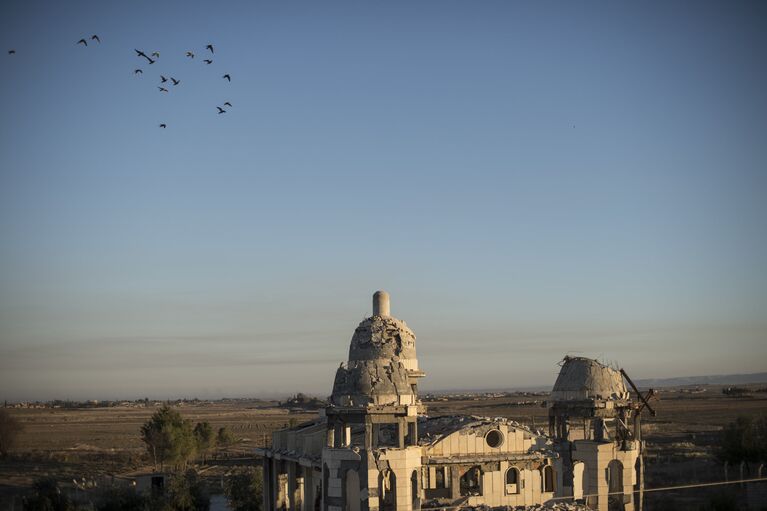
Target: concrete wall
596 457
463 445
472 442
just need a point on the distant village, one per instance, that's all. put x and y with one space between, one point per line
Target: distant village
306 402
298 400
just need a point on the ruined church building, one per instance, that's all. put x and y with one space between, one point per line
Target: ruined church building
373 448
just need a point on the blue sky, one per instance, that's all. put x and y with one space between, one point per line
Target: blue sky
525 179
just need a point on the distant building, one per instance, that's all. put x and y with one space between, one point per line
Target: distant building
374 448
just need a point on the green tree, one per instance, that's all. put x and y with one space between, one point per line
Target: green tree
185 492
47 496
169 438
205 438
9 430
745 439
244 490
225 438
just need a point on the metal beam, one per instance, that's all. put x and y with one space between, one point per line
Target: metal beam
652 412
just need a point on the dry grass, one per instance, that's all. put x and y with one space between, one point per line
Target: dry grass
71 444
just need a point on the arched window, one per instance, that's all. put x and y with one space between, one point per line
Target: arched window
547 479
387 488
615 483
512 481
414 490
579 480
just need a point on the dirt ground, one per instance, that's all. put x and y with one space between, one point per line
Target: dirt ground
92 443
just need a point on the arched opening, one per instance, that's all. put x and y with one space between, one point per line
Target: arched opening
615 486
579 480
387 490
414 490
352 500
547 479
471 482
512 481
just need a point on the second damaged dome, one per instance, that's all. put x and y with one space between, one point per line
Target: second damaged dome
382 367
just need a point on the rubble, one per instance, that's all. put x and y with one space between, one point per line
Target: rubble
555 506
373 448
433 429
382 363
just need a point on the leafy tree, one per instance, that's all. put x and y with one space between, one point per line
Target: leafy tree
744 440
47 496
244 490
169 438
205 438
9 429
225 438
185 492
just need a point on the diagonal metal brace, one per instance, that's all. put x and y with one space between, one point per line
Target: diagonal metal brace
644 400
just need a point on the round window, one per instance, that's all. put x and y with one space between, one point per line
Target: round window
494 438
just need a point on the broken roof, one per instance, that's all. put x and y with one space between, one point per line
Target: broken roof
433 429
583 378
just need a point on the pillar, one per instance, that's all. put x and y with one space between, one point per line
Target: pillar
381 303
455 481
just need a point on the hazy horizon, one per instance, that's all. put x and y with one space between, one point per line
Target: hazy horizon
527 180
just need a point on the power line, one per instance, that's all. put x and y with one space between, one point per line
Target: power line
646 490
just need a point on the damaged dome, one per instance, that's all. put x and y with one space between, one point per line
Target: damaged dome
583 378
382 367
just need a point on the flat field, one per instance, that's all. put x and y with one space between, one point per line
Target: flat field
93 443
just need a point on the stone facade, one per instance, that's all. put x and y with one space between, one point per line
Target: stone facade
373 448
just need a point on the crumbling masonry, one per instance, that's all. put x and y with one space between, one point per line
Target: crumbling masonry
374 449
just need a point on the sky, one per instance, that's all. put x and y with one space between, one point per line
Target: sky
526 179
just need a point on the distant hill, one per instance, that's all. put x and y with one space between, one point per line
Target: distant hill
718 379
655 383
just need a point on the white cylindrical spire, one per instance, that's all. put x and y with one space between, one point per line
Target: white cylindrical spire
380 303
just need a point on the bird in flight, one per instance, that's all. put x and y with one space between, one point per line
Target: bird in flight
138 71
94 37
221 110
210 47
156 54
142 54
163 125
82 41
208 61
190 54
175 82
228 104
162 89
163 79
227 77
11 52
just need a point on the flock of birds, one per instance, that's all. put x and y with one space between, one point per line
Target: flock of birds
154 57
